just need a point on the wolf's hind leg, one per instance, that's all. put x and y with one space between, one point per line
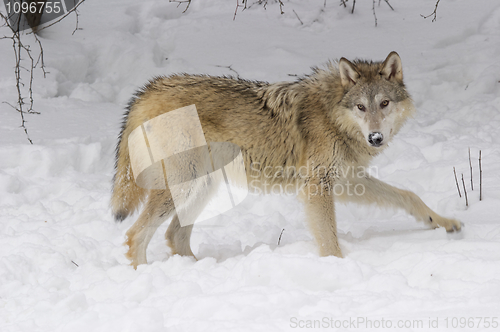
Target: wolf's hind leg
159 208
179 238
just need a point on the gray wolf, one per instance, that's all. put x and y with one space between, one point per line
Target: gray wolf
314 130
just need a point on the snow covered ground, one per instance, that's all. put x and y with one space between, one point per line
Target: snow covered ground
62 264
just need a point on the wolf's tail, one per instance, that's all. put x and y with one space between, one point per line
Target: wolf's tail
126 196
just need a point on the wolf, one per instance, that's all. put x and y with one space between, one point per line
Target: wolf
337 118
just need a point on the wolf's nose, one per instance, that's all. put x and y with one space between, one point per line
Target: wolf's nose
375 139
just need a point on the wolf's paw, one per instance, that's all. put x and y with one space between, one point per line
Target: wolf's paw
332 249
456 227
136 254
451 225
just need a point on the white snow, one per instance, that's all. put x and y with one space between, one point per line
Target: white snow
62 263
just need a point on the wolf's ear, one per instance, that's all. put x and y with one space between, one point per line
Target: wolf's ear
348 73
392 69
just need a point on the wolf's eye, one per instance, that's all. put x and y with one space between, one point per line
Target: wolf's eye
384 104
361 107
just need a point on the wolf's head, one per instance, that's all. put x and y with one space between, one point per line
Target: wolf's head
375 97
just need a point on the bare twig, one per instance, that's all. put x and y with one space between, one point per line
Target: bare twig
470 165
74 263
279 240
230 68
388 4
480 178
243 4
434 13
344 3
301 23
73 10
77 20
281 6
20 49
465 191
456 181
179 2
264 2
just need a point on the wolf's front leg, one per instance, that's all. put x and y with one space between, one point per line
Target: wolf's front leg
320 213
370 190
